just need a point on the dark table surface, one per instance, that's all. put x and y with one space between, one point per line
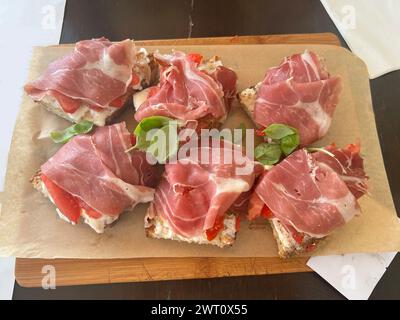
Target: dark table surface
120 19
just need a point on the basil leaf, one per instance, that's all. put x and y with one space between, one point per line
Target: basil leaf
151 123
268 153
279 131
158 136
164 142
65 135
289 143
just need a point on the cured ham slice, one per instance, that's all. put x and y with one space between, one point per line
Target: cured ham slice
348 164
305 193
97 172
195 193
95 74
299 93
187 93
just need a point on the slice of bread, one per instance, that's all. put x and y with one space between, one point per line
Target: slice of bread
287 245
98 225
158 228
99 118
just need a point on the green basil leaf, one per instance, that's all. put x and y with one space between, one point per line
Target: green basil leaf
279 131
268 153
163 142
151 123
289 143
158 136
65 135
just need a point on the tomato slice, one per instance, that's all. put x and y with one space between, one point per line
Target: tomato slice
133 139
64 201
152 91
135 79
195 57
237 225
213 232
266 212
118 103
297 236
311 247
68 104
260 132
89 210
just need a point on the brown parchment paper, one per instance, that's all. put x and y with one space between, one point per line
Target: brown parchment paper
30 228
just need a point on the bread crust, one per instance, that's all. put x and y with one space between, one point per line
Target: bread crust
286 250
153 230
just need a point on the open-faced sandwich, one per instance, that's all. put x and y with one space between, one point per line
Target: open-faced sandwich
299 93
189 89
93 178
192 202
94 82
308 196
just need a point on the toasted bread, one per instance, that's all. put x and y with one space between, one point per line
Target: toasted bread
287 245
97 225
158 228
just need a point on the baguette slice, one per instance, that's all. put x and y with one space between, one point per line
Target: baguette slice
288 246
158 228
97 225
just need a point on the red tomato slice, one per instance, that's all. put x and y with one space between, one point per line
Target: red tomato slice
64 201
266 212
68 104
195 57
133 139
311 247
135 79
118 103
297 236
89 210
237 226
260 132
213 232
152 91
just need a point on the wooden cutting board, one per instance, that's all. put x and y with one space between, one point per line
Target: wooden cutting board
30 272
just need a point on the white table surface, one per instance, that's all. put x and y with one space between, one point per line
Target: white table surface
23 24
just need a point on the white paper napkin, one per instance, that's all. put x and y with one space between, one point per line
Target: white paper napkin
371 29
353 275
23 24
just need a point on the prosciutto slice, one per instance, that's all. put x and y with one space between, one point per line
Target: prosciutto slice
304 192
195 191
187 93
95 74
97 170
348 164
299 93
